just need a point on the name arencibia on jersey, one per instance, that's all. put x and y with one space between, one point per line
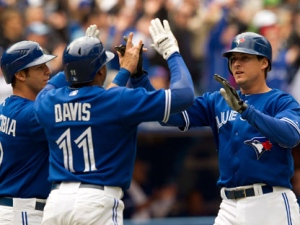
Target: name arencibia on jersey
8 125
72 112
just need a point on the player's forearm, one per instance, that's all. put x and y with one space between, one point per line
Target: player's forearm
279 130
120 79
142 81
181 84
175 120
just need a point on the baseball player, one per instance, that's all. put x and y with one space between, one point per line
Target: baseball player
24 152
92 132
255 130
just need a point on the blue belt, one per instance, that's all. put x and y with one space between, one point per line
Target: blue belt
247 192
56 185
8 201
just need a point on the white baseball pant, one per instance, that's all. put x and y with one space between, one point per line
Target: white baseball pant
278 207
75 204
21 211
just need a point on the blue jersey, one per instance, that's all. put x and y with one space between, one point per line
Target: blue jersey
254 147
92 132
24 153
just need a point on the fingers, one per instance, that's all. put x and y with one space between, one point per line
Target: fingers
97 33
223 93
158 25
129 41
119 54
219 78
140 45
222 81
167 26
92 31
153 28
152 32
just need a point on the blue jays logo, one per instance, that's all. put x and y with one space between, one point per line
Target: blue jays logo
260 145
239 40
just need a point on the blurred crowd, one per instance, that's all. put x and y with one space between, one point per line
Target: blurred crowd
204 29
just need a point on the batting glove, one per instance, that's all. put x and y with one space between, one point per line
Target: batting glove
230 95
92 31
164 41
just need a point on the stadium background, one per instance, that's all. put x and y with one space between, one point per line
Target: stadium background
176 172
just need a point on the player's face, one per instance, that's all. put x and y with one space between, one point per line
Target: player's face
246 69
37 77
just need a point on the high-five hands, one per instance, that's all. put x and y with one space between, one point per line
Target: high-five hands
129 55
164 41
230 95
92 31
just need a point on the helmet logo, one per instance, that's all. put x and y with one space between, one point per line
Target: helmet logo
23 52
240 40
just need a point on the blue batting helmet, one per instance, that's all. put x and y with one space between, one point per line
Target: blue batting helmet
20 56
250 43
83 58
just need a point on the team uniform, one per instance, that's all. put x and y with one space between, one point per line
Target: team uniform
24 163
252 156
92 135
254 147
24 152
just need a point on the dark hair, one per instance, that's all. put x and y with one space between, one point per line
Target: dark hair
260 57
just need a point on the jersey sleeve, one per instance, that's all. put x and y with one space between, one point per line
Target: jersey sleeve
283 128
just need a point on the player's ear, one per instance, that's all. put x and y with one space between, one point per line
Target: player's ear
265 63
21 75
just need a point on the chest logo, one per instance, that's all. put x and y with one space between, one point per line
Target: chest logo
260 145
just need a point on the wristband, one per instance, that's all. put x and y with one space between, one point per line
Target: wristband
121 77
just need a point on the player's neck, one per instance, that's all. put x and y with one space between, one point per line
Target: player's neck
28 94
255 90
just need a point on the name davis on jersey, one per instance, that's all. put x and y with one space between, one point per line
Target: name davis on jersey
72 112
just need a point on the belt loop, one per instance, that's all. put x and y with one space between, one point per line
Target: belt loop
222 192
257 189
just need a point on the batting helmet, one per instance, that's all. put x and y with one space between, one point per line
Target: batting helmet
83 58
20 56
250 43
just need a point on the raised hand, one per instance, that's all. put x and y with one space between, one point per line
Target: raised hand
92 31
130 59
164 41
230 95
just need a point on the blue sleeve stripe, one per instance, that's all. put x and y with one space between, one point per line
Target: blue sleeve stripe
167 106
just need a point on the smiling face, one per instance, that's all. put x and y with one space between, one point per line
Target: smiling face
248 70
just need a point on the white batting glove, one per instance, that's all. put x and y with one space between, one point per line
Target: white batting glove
164 41
92 31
